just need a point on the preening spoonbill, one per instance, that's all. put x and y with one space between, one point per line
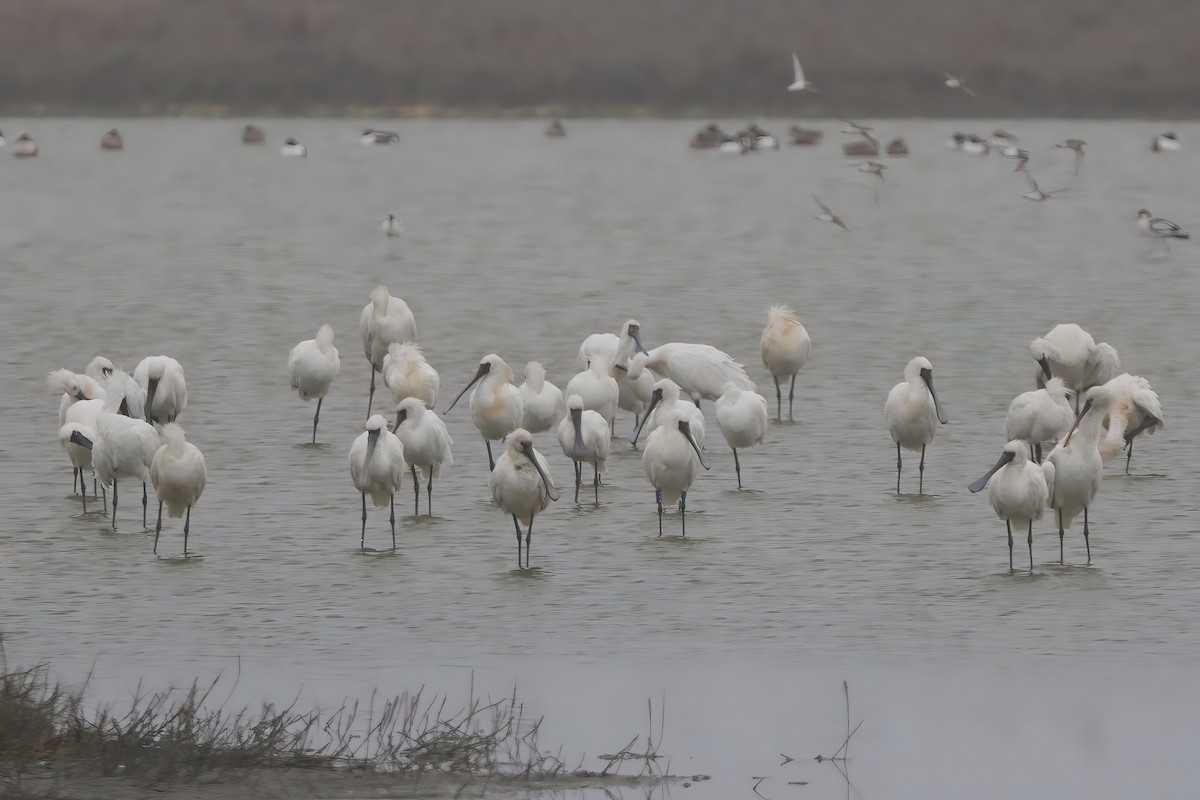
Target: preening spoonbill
1018 492
911 411
123 450
785 349
597 388
1136 410
73 388
80 454
427 444
377 468
166 390
666 395
584 436
543 401
700 370
1042 415
406 373
635 384
1069 352
670 463
313 364
178 474
496 405
99 369
521 485
742 417
1074 468
384 321
391 225
609 344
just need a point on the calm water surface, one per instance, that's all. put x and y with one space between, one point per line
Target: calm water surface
972 681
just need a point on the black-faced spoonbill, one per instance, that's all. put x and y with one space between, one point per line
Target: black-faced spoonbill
384 321
166 390
1074 468
406 373
700 370
1136 410
75 388
1069 352
629 357
71 436
666 395
496 405
785 349
610 344
178 474
377 468
544 403
912 411
123 450
313 364
742 417
427 444
670 463
1042 415
521 485
1018 492
585 437
597 388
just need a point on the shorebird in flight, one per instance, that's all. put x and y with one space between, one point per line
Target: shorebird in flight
953 82
829 216
1077 146
799 82
1035 193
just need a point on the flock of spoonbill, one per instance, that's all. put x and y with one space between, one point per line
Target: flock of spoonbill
122 428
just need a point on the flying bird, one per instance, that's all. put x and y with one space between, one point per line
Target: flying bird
1035 193
799 83
829 216
1077 146
953 82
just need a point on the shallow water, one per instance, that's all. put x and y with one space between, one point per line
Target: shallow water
972 680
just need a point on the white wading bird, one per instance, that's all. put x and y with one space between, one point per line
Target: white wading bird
496 405
1069 352
1042 415
406 373
670 463
585 438
124 448
785 350
178 474
166 391
384 321
1136 410
313 364
912 411
543 401
521 485
742 417
1018 492
700 370
1074 468
427 444
597 387
377 468
664 396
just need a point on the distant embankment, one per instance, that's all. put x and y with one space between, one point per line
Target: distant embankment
669 57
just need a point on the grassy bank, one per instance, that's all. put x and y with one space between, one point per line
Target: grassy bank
54 743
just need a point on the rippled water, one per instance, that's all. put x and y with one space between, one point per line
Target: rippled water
224 256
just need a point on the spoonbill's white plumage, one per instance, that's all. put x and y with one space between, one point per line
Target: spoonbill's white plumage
912 412
799 83
521 485
700 370
1018 492
166 389
1042 415
666 396
543 401
384 321
73 388
99 369
785 349
1069 352
391 225
427 445
406 373
742 417
123 449
70 436
1074 468
610 345
313 364
597 387
628 356
377 469
496 405
671 462
178 475
585 437
1136 410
